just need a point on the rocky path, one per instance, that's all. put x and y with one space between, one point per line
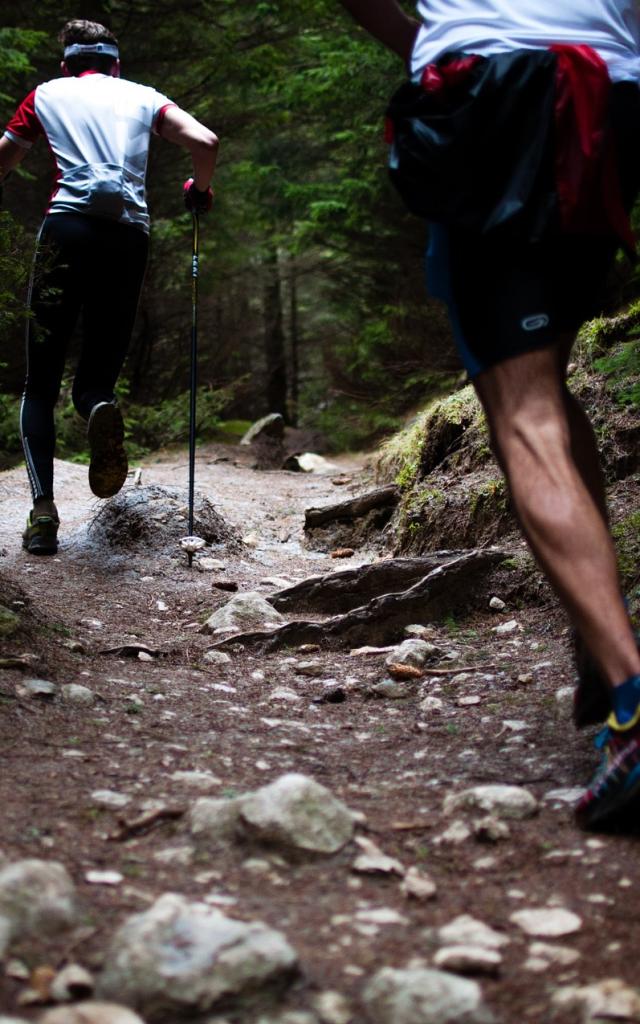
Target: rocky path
306 836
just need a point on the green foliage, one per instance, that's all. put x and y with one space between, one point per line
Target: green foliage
626 535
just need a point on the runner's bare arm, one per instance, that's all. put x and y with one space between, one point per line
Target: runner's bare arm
10 156
386 20
183 129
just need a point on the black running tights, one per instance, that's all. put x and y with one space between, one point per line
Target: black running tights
82 265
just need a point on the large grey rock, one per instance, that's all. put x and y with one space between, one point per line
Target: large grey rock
297 813
180 957
422 996
91 1013
243 611
36 896
75 693
502 801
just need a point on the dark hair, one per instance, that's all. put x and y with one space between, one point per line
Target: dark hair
81 31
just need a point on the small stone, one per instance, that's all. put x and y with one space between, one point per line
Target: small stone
373 861
332 1008
468 702
245 611
506 627
561 956
309 668
565 795
342 553
91 1013
74 693
228 585
417 632
501 801
418 886
490 829
210 565
182 855
281 693
611 999
467 931
468 959
40 689
547 922
389 689
413 652
109 800
103 877
525 678
423 996
381 915
564 698
196 780
457 833
431 704
216 658
497 604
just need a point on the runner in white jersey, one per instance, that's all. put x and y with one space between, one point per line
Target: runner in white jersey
518 139
92 249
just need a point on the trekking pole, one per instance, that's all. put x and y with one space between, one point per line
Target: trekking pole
194 369
191 544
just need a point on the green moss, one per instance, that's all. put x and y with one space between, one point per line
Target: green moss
626 535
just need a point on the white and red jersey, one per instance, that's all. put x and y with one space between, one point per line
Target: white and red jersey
488 27
98 129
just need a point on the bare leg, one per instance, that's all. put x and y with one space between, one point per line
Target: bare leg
536 427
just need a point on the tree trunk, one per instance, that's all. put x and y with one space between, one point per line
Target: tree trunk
274 348
294 335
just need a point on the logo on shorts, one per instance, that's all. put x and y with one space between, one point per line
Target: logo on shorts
535 323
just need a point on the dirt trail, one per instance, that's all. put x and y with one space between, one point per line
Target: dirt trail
391 760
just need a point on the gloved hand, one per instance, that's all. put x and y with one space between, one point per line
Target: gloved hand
195 200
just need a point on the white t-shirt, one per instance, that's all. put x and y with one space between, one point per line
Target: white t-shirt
98 130
486 27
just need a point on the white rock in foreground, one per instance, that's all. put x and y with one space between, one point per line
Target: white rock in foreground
296 812
180 957
91 1013
36 896
547 922
243 611
503 801
610 999
422 996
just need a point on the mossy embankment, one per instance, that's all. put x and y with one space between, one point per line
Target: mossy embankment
453 494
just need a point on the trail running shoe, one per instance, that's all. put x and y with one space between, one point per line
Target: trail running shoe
41 535
591 703
612 800
109 466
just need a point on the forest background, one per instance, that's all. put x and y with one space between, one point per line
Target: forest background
312 299
312 293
